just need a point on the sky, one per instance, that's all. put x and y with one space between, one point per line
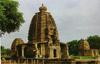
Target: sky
75 19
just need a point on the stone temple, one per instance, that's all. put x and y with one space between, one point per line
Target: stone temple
43 39
85 50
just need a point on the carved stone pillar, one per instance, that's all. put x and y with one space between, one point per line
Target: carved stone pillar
37 52
51 52
23 51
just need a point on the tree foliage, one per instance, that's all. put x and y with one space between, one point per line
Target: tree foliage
94 41
73 47
5 52
10 18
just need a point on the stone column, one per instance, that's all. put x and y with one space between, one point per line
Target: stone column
58 52
23 51
43 50
51 52
36 50
67 50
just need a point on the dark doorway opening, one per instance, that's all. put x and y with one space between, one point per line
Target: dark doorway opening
55 55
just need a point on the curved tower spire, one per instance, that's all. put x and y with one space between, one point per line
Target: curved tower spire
42 27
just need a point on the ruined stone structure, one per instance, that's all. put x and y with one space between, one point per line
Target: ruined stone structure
85 50
43 39
44 47
14 49
43 33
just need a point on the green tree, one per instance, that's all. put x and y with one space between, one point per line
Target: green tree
2 48
73 47
94 41
10 18
5 52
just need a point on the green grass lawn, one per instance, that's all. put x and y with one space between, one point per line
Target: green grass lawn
83 57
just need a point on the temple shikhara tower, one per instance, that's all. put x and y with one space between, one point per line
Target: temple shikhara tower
43 33
43 39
